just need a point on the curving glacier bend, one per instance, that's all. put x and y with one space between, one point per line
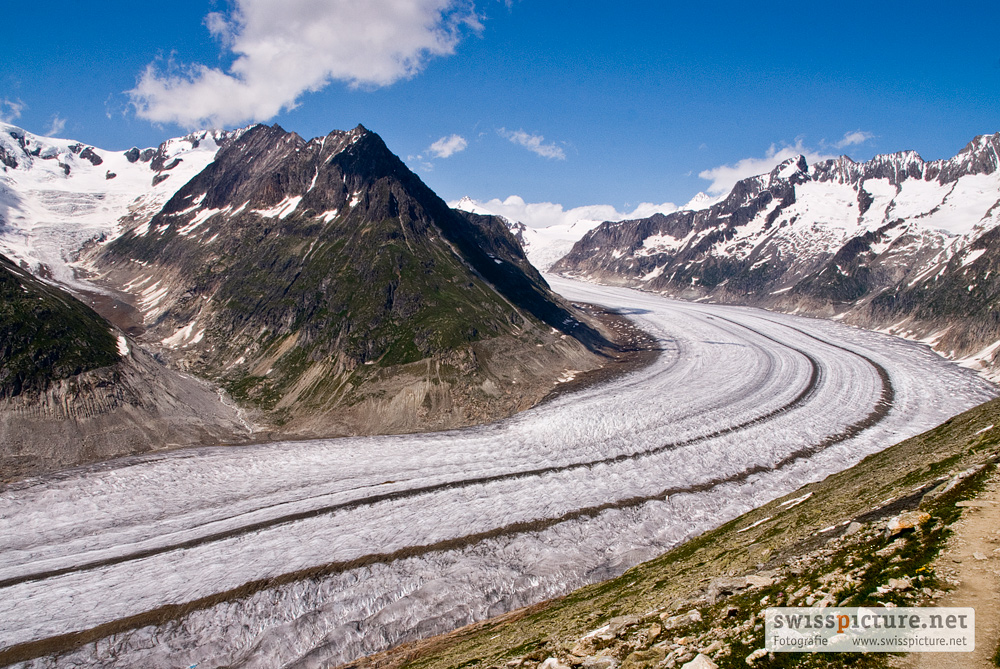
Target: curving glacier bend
314 553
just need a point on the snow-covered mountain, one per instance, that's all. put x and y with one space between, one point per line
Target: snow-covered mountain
895 243
701 201
543 246
56 194
546 245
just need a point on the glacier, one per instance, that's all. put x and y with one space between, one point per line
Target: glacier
317 552
58 194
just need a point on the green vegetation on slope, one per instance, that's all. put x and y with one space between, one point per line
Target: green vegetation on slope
46 334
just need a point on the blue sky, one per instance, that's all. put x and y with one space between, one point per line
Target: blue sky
571 102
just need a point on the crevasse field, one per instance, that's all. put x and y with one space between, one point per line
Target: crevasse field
314 553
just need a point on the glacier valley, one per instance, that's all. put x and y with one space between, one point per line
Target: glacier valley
314 553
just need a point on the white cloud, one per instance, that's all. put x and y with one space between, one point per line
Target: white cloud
545 214
533 143
420 162
724 177
853 139
285 48
10 110
56 125
448 146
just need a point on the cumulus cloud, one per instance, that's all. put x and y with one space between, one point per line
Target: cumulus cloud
448 146
854 139
285 48
724 177
546 214
534 143
56 125
10 110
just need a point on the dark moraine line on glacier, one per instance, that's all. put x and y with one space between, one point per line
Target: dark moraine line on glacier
66 642
808 391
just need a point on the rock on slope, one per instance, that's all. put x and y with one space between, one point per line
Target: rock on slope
895 243
73 391
322 283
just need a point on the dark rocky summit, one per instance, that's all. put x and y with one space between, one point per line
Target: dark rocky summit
325 286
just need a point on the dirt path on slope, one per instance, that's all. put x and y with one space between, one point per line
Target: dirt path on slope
971 558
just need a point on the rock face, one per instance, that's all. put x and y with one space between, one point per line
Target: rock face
323 284
71 391
895 242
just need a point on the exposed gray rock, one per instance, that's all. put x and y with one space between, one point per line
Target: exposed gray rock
700 662
134 407
759 581
88 153
906 521
552 663
724 586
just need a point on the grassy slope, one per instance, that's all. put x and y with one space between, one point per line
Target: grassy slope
46 334
878 487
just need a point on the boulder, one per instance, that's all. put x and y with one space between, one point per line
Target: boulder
700 662
907 521
644 658
724 586
552 663
759 581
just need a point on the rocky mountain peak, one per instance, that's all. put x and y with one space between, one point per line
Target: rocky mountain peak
20 149
981 144
841 169
896 167
288 267
980 156
793 170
